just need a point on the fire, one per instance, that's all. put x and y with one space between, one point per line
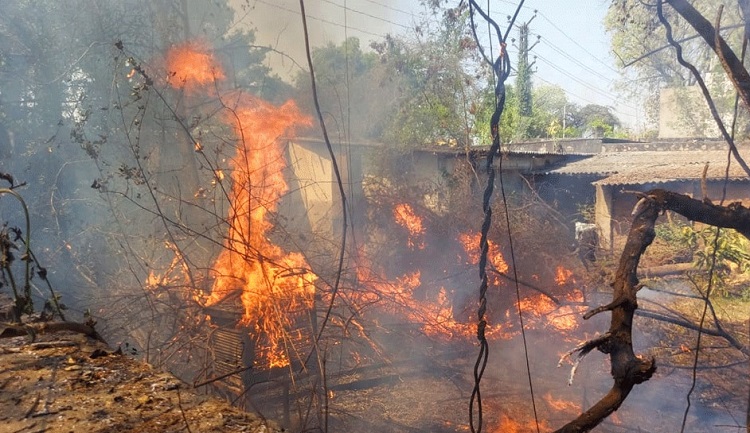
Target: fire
192 65
560 405
562 275
541 311
470 242
175 274
405 217
434 314
431 305
274 285
433 309
509 425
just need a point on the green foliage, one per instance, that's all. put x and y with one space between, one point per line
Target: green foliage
441 80
596 120
523 76
727 254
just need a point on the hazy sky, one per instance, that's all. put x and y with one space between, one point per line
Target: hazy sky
573 52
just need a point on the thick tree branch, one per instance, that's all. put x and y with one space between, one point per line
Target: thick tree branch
734 216
627 369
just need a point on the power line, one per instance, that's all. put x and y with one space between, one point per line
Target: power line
569 93
346 8
577 44
582 82
574 59
390 7
322 20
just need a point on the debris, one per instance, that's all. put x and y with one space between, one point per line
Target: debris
54 376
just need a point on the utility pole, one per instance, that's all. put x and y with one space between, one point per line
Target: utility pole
523 77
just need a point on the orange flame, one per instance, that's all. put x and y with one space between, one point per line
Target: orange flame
561 405
173 275
192 65
509 425
432 310
542 312
470 242
405 217
275 285
562 275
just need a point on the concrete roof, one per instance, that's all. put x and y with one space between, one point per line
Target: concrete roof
638 167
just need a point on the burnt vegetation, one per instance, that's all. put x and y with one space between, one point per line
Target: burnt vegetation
257 239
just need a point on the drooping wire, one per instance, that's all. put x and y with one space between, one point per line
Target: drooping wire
337 172
501 70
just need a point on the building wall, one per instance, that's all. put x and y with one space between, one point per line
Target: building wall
312 209
311 185
683 113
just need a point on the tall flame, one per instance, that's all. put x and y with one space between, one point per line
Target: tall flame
274 284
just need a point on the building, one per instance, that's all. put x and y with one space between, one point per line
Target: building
617 175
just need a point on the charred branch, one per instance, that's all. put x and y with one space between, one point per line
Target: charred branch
627 369
719 332
583 349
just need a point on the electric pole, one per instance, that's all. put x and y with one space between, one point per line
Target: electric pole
523 77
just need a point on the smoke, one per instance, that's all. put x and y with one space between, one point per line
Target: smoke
278 24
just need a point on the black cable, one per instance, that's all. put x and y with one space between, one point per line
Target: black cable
501 69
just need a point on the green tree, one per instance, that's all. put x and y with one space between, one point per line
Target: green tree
548 110
595 120
523 75
351 90
440 78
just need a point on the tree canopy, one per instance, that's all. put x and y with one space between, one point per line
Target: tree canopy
649 64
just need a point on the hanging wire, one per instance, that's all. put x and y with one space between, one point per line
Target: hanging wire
501 69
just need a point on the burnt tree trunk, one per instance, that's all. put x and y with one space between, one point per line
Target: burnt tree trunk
629 369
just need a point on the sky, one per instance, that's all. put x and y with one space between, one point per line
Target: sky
573 52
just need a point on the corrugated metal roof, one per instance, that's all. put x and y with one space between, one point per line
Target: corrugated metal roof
637 167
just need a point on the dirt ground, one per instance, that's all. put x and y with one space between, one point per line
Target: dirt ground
66 382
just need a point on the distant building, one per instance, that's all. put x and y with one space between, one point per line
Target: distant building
616 175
